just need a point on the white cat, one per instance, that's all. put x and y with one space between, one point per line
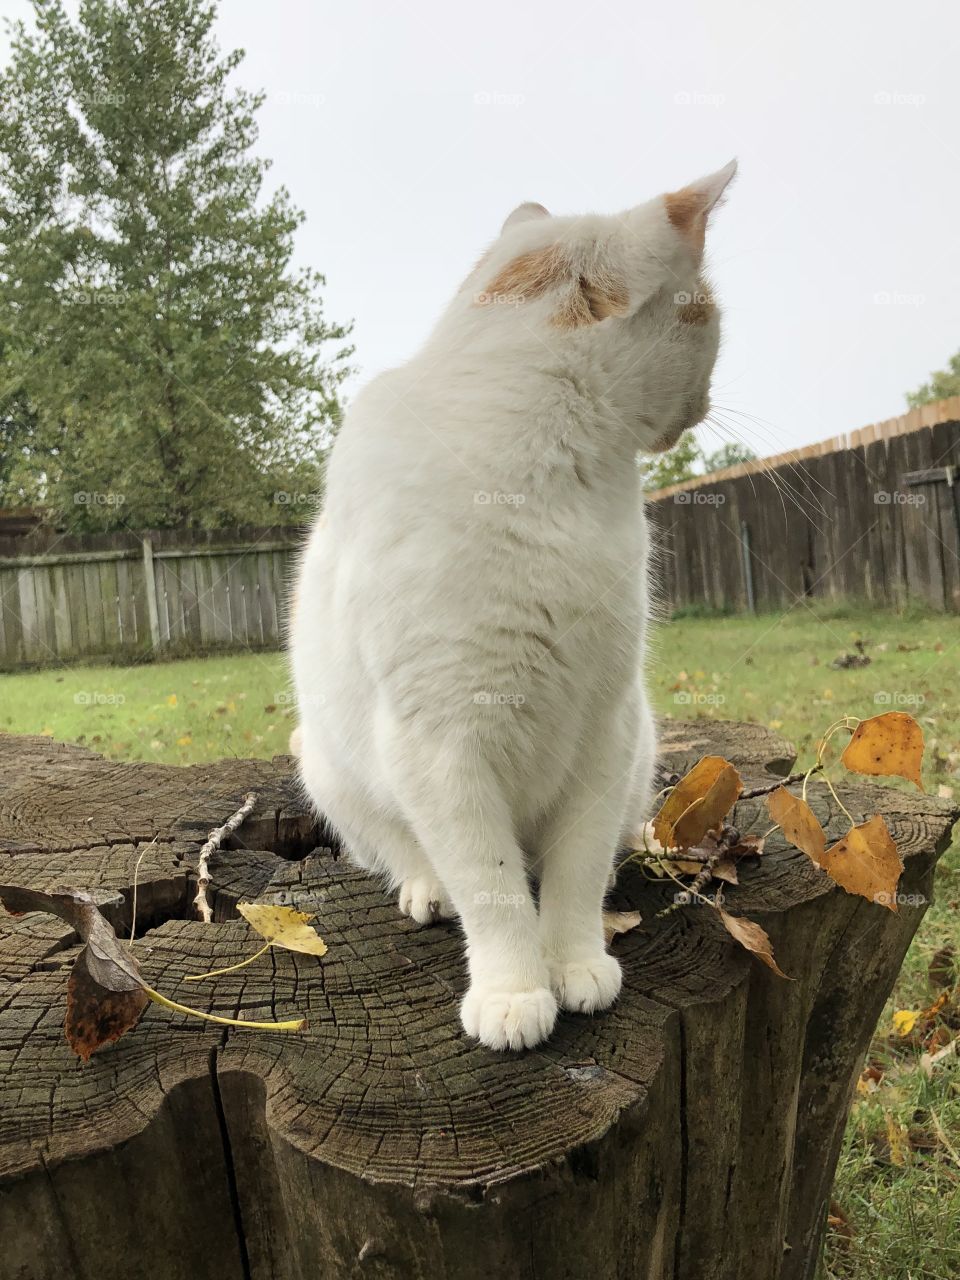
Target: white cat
468 640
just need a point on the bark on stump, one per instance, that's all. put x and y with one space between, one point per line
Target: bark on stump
690 1133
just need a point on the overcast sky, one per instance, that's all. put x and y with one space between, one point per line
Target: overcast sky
407 131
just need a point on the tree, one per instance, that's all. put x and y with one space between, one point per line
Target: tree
673 467
728 455
173 361
943 383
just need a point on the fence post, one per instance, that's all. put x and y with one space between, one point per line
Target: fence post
150 579
747 565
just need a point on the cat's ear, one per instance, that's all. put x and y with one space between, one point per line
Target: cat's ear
689 208
525 213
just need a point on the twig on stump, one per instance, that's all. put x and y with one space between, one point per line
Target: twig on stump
781 782
215 839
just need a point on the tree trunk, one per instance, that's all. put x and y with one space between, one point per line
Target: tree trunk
690 1133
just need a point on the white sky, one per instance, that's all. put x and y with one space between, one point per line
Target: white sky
407 131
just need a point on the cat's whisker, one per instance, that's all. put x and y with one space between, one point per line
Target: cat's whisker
780 482
792 469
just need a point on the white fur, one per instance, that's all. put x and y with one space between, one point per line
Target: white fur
468 642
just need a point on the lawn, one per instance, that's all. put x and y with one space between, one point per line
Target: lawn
897 1210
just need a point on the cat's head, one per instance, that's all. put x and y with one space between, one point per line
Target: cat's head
618 300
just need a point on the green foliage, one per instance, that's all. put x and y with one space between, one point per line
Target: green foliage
943 383
676 465
728 455
686 459
162 362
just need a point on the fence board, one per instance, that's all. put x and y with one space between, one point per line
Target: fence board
68 597
858 529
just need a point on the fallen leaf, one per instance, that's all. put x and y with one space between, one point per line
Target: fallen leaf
726 870
681 866
751 936
642 841
840 1224
866 862
898 1138
98 1015
942 967
617 922
700 801
283 926
904 1020
798 822
869 1081
172 700
106 992
890 745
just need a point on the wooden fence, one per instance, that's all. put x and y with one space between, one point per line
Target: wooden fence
113 595
877 520
874 516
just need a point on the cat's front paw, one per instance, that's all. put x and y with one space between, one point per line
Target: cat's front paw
424 899
587 984
508 1019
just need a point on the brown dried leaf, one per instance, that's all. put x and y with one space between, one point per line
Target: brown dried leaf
700 801
840 1224
750 846
726 870
617 922
890 745
105 994
798 822
751 936
98 1015
867 862
682 867
942 967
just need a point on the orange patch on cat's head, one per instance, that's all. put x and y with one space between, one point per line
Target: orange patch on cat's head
586 299
528 276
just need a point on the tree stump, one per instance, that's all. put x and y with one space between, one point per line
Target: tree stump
690 1133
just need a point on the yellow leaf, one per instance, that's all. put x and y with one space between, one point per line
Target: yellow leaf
798 822
751 936
899 1140
283 926
172 700
885 746
700 801
185 740
867 862
904 1020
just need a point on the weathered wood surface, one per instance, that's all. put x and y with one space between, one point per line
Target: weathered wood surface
856 524
64 597
688 1134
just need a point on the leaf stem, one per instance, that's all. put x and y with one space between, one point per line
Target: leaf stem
294 1024
215 973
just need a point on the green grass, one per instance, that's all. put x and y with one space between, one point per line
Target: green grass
175 712
902 1198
